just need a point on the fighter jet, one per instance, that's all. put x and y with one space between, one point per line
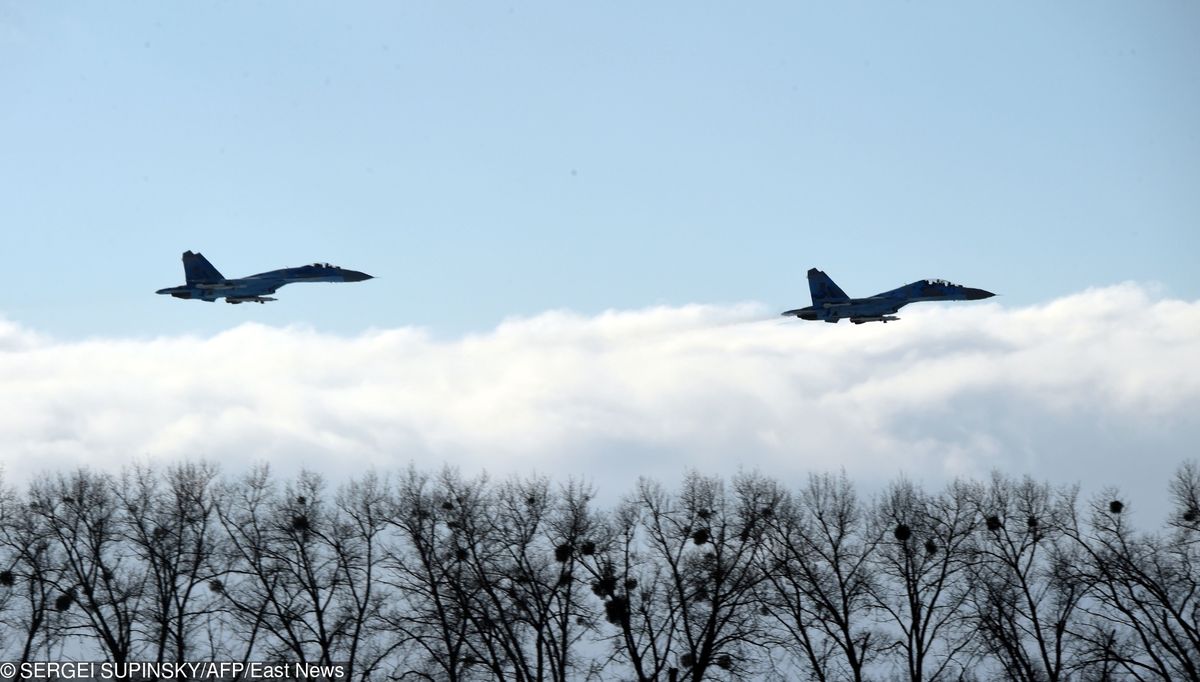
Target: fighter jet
206 284
831 304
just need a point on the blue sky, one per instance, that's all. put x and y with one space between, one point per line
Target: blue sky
584 220
492 160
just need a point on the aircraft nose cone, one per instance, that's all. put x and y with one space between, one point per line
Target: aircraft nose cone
355 276
976 294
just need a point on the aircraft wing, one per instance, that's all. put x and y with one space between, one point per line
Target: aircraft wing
244 287
250 291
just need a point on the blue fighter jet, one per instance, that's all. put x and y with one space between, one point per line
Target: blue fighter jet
831 304
206 284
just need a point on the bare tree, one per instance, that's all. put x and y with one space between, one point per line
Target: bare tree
80 515
528 603
447 578
490 576
571 525
1185 494
30 568
636 593
428 567
709 545
248 570
357 538
285 576
167 521
920 564
821 600
1145 590
1025 595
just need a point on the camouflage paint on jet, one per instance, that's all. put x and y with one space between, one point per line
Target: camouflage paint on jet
830 303
205 283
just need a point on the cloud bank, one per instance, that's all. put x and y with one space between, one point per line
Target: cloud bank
1101 387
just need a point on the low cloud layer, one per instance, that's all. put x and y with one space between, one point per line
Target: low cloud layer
1101 387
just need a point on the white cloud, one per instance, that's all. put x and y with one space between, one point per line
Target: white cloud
1102 386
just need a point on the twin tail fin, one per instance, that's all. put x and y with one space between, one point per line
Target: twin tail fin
823 289
198 270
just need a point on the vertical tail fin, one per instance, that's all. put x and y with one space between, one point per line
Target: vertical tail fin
823 289
198 270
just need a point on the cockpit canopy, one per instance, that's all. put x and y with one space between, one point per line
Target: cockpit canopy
943 282
324 265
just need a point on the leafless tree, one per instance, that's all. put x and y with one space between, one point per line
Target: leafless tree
820 546
636 593
709 544
30 568
442 577
1025 594
1145 604
427 567
357 539
920 564
288 573
1185 494
523 556
491 576
100 584
168 521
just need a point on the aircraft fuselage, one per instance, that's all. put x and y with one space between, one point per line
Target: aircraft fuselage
830 304
205 283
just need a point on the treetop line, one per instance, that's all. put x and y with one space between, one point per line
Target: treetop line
437 576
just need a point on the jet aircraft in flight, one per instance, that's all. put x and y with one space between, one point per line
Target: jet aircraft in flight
204 282
830 303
